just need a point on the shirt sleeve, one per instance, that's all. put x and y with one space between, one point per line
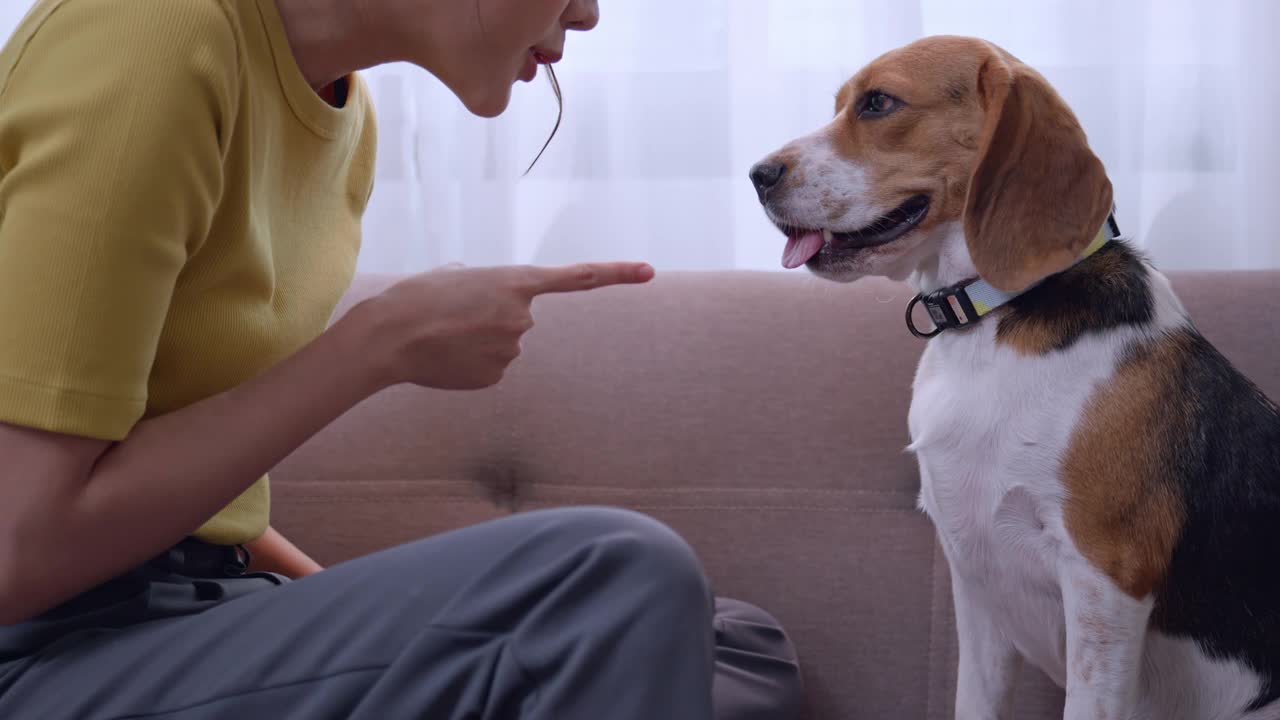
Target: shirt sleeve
113 124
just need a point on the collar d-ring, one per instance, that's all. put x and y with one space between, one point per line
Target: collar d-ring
911 321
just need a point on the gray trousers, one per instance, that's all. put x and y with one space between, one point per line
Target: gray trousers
575 614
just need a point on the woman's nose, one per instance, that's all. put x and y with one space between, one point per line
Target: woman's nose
581 15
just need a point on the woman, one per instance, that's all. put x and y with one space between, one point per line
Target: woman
181 184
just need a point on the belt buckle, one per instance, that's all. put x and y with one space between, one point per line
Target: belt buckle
239 564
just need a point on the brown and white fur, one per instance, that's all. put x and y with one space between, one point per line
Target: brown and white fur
1106 487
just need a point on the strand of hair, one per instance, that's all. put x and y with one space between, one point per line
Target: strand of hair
555 88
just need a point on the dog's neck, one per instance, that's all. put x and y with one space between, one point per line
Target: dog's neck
954 294
1113 287
951 265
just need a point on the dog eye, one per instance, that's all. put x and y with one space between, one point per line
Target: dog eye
877 104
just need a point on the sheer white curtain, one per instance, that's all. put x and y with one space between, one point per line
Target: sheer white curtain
669 102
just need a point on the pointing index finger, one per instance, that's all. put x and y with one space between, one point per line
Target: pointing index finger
587 276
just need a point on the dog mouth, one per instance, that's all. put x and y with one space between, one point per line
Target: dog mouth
805 245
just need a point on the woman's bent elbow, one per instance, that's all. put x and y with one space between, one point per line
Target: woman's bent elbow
12 610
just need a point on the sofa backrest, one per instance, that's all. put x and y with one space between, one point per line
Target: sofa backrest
762 415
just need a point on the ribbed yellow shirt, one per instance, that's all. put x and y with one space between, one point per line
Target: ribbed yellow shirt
179 210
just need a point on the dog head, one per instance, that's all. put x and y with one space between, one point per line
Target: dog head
947 136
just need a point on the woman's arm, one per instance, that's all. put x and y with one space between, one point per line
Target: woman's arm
77 512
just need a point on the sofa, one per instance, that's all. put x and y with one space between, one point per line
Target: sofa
761 415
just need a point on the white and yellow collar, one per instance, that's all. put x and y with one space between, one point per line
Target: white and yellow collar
964 304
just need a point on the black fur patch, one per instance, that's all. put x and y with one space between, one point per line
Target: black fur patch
1222 588
1105 291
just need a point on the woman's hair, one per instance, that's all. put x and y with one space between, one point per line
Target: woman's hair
555 87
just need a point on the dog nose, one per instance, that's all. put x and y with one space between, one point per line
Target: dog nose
765 176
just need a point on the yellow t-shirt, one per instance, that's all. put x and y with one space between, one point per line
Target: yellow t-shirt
179 210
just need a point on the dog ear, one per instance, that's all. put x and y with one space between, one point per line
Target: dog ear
1038 194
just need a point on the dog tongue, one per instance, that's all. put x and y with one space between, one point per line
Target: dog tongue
800 248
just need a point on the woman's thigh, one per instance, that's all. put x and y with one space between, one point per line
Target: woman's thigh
502 619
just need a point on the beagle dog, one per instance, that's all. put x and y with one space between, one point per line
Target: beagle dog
1105 485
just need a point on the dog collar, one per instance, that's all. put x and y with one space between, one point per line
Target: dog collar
965 303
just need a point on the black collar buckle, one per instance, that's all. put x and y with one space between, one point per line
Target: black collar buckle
948 308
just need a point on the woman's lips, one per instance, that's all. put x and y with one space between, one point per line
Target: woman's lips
530 69
536 57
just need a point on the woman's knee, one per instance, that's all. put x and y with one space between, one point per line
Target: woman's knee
645 555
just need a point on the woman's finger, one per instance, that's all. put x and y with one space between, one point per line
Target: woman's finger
585 276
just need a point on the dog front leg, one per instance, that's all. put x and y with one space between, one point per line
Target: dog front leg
988 661
1106 636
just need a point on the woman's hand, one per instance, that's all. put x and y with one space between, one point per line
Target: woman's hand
274 553
459 328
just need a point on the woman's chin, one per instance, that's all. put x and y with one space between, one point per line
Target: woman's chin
487 102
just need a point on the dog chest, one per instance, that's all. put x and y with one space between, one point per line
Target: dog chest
989 428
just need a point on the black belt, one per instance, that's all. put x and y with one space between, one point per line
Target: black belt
198 559
190 558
